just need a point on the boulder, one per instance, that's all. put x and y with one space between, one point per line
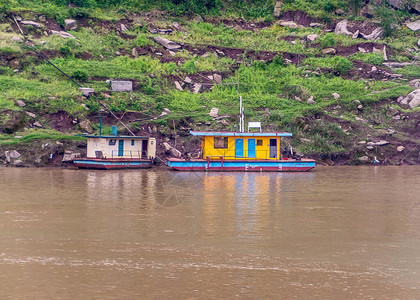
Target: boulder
70 24
86 91
32 23
197 88
214 112
174 152
289 24
341 27
21 103
63 34
415 83
277 9
217 78
356 34
187 80
312 37
330 51
178 86
336 96
10 155
123 27
363 159
414 26
375 35
18 163
86 126
412 99
166 43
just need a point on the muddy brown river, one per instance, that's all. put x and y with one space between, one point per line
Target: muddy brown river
332 233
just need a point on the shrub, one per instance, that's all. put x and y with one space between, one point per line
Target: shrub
80 76
328 40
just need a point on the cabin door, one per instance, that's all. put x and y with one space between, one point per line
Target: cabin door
273 148
120 147
144 144
239 147
251 148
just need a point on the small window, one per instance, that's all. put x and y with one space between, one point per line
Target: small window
220 142
112 142
132 142
259 142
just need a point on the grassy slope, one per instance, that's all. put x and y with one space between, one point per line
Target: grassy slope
268 84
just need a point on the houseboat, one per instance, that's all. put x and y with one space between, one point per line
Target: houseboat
117 152
242 151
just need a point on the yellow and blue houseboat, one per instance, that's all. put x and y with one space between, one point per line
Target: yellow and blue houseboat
242 151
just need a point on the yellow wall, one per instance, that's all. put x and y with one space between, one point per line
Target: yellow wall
262 152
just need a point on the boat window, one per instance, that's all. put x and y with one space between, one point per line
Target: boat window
259 142
132 142
112 142
220 142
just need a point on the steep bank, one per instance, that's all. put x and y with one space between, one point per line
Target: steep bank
340 86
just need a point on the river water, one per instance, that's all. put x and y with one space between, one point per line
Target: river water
332 233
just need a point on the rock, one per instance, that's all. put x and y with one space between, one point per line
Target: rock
362 142
118 53
205 55
396 3
369 147
277 9
166 43
376 50
341 27
214 112
198 19
311 100
217 78
165 112
167 146
339 12
330 51
86 91
197 88
18 163
298 99
32 23
360 107
363 158
314 24
412 99
400 148
42 43
187 80
21 103
224 122
134 52
336 96
414 26
375 35
370 11
312 37
361 50
16 39
415 83
381 143
85 107
121 86
70 24
174 152
37 124
178 86
176 25
289 24
123 27
356 34
32 115
220 52
86 126
63 34
12 154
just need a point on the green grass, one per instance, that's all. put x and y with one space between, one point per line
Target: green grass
40 134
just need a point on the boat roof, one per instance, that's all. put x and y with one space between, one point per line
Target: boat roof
114 136
229 133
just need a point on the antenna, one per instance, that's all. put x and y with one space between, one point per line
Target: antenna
241 116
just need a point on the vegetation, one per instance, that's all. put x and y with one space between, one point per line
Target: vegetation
273 67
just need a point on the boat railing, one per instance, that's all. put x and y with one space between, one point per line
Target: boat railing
126 154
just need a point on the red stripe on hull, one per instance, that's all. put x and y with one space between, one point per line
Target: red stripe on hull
242 169
111 167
